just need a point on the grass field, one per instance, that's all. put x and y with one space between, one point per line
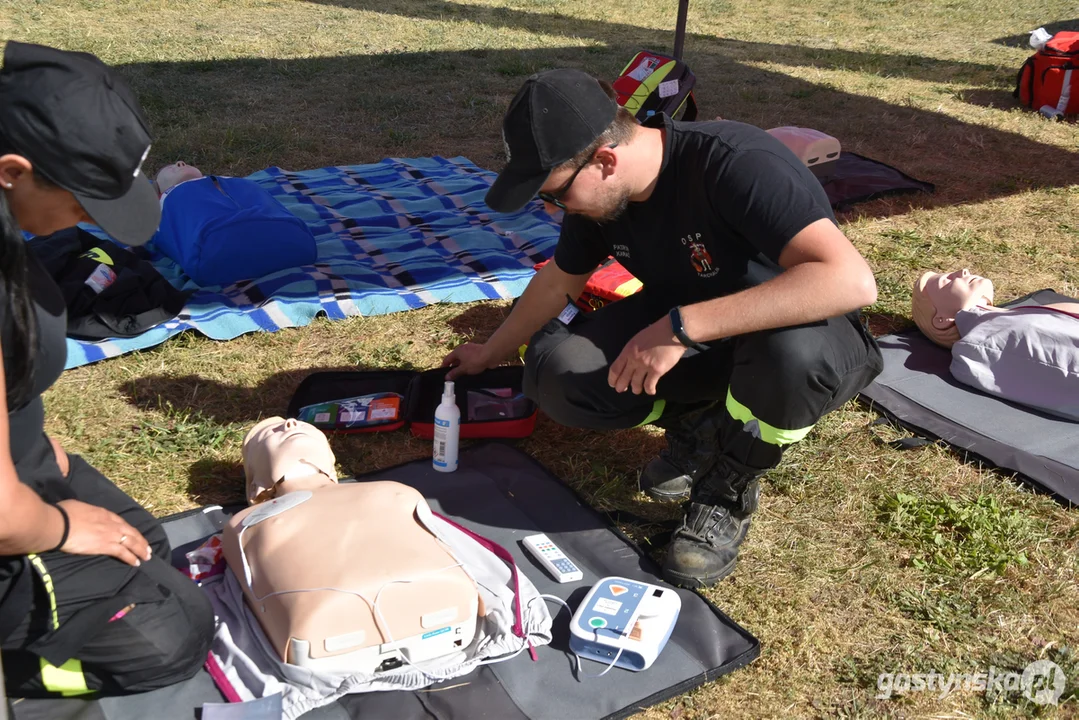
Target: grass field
863 559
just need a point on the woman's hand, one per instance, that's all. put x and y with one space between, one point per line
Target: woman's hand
97 531
61 457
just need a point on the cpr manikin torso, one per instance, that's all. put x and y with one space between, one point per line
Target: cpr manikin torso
1028 355
317 557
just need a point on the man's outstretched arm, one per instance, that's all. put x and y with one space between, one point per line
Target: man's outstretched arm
544 298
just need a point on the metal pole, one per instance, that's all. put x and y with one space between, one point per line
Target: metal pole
680 28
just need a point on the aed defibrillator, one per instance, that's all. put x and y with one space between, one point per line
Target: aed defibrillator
625 623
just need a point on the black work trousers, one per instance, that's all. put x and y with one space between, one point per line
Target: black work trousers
773 385
93 624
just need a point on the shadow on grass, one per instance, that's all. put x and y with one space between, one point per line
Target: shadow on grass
1023 40
236 116
886 323
996 99
479 322
218 402
216 482
896 65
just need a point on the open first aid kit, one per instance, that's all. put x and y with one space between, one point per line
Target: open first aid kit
492 403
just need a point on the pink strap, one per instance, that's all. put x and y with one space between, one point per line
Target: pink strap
505 556
221 679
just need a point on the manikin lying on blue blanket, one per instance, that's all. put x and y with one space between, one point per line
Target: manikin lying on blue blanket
221 230
1028 355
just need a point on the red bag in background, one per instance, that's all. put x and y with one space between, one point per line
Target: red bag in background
1049 79
653 83
610 282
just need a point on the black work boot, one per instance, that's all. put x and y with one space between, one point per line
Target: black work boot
691 451
705 549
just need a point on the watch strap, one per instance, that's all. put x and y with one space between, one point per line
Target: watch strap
679 330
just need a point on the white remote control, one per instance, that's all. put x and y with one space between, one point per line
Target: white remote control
561 567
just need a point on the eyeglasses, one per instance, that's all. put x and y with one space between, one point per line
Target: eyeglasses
555 198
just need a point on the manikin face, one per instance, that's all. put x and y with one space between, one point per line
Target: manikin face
593 190
951 292
172 175
277 448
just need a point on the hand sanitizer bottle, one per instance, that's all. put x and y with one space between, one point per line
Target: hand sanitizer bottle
447 431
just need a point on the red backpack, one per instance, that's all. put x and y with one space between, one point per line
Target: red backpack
1049 79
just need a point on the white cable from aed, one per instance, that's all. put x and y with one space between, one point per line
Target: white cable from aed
579 672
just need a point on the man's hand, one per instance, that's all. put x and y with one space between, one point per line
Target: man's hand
467 359
97 531
646 358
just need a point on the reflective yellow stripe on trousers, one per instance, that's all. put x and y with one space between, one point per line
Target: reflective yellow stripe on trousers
769 433
68 679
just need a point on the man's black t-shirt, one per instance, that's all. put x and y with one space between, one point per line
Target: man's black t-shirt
728 200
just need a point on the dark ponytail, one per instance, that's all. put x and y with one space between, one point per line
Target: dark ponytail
21 345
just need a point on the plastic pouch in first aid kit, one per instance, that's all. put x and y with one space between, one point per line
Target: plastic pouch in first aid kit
493 404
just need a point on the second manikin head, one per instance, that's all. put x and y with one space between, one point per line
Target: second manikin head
939 297
172 175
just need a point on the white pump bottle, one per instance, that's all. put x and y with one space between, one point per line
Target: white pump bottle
447 431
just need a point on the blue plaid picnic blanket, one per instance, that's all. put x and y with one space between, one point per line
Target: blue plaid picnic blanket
395 235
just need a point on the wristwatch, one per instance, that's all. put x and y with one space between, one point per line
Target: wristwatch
680 331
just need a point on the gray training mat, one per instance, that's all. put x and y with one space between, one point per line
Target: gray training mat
917 390
504 495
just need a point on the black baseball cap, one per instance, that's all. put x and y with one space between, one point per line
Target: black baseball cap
81 127
555 115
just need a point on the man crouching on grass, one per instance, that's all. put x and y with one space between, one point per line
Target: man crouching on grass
747 330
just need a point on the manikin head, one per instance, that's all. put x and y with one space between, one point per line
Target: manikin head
938 297
282 455
170 176
563 133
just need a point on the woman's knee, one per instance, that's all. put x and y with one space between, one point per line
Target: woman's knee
91 486
162 639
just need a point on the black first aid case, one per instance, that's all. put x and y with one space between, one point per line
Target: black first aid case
492 403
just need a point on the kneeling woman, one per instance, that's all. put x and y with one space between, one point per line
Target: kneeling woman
88 600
